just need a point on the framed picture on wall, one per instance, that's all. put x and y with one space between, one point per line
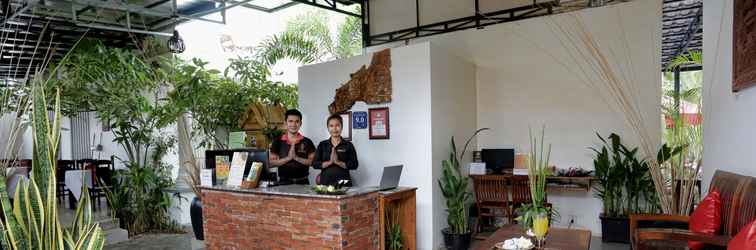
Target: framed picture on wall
378 124
744 45
346 130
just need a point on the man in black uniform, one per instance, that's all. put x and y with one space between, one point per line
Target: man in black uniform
293 153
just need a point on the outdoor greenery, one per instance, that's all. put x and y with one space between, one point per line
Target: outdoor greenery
682 131
624 184
538 164
216 101
307 39
454 188
138 93
121 87
683 114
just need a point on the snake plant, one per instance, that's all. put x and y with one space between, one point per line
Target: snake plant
32 221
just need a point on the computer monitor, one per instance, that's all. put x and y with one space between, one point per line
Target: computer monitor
498 159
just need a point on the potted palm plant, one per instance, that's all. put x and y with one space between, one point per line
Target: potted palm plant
624 185
454 188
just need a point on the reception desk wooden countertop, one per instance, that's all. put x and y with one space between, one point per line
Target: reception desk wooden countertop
290 217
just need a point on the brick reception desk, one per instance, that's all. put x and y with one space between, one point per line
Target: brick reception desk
290 217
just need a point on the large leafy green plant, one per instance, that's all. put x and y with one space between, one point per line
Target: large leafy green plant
216 101
122 88
139 198
32 221
454 187
623 181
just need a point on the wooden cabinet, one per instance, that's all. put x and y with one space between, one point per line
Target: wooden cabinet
403 199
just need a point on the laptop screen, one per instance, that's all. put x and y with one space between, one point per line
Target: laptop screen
390 177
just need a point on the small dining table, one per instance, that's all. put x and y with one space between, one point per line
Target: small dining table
556 238
74 180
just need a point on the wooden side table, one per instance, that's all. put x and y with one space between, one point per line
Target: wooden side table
404 198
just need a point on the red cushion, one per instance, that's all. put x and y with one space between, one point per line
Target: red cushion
706 218
745 239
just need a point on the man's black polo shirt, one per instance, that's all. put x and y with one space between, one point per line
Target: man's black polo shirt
293 169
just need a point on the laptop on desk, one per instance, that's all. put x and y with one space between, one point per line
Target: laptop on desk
390 177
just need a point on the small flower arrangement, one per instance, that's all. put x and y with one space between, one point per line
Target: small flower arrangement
340 188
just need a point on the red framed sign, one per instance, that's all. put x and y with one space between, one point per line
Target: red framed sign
378 124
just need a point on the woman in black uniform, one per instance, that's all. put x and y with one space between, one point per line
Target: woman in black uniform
335 156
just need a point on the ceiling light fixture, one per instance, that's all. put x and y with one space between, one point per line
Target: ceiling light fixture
175 43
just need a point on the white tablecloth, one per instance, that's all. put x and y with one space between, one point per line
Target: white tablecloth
74 180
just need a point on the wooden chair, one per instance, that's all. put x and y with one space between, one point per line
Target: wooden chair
738 197
521 193
60 176
102 174
491 195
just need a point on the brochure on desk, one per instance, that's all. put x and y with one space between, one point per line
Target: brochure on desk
236 173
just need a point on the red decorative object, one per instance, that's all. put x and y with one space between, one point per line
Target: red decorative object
744 45
371 85
378 123
745 239
706 218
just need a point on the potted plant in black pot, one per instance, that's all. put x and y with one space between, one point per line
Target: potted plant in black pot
624 186
454 188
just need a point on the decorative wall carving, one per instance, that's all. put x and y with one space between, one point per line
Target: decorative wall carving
371 85
744 45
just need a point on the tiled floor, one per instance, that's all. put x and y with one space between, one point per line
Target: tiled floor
187 241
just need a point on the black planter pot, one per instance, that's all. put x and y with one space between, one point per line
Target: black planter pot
195 212
456 241
615 229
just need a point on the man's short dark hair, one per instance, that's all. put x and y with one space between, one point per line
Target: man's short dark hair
335 117
293 112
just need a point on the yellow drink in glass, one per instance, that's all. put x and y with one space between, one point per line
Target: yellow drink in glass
540 226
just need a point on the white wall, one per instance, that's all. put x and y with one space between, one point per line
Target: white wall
26 148
409 116
521 84
5 127
453 109
729 118
105 138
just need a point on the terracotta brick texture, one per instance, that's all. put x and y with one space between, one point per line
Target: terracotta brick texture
235 220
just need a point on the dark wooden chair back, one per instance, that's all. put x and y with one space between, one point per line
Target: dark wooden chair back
521 189
62 167
491 188
83 163
738 196
25 163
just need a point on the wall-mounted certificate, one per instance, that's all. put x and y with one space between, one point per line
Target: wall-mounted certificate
379 123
